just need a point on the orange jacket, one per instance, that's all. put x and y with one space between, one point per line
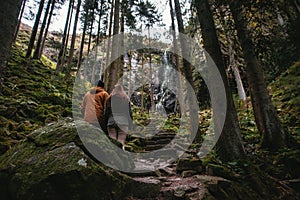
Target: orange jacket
93 105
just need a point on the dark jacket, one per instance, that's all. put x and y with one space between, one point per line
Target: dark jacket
118 111
93 105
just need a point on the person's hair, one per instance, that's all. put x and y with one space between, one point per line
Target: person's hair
119 91
99 83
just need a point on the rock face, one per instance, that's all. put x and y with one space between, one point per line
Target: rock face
52 164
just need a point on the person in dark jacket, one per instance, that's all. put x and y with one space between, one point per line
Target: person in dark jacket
93 105
118 112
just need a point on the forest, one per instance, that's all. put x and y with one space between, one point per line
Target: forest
213 87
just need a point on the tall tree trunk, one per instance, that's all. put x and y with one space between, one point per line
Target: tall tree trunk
130 72
238 80
35 29
9 11
187 70
38 44
82 38
47 28
68 34
121 43
90 34
268 123
231 53
63 42
229 146
99 22
176 57
20 19
113 78
74 33
109 40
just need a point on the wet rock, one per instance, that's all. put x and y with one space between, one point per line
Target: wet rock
221 171
146 187
293 183
166 171
167 194
188 173
185 164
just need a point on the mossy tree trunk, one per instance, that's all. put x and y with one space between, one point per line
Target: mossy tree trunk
9 11
229 147
267 121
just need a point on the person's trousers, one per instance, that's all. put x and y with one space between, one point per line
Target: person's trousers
118 133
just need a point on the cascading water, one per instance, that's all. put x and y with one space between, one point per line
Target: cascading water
167 94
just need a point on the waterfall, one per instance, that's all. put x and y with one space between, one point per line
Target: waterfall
168 84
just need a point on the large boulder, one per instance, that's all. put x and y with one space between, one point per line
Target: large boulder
51 163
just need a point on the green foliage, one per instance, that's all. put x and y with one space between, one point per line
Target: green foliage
246 119
148 13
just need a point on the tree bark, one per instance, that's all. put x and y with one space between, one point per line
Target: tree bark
20 19
187 71
229 146
113 70
35 29
47 28
109 41
63 42
38 44
176 57
9 11
74 33
68 33
267 121
82 39
91 29
99 22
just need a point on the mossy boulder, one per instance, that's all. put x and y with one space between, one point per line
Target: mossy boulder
51 163
189 163
244 180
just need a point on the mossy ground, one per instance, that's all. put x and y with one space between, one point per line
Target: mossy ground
30 96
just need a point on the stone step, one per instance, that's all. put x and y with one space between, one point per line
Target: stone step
154 142
153 147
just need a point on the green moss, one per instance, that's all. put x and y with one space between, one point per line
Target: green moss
286 97
30 98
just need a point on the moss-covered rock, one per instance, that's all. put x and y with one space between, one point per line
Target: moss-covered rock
244 180
186 164
51 163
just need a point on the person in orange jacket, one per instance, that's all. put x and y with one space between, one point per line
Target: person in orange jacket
93 106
